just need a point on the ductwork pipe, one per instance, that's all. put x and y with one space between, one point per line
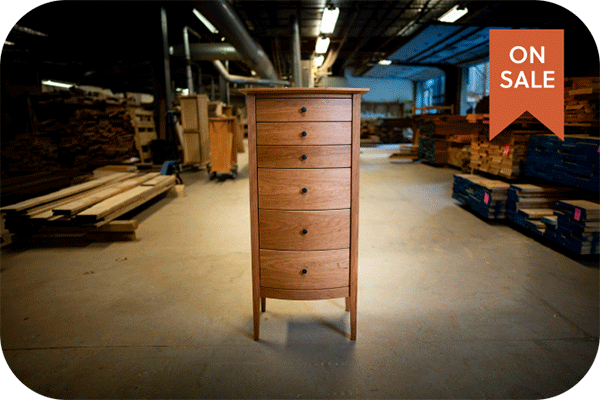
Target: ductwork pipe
246 79
223 16
208 51
296 64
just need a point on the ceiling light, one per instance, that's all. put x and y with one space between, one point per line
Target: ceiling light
206 22
319 60
7 43
330 16
385 62
322 45
57 84
453 14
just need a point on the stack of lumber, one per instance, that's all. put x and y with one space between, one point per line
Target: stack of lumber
486 197
504 156
478 118
581 101
405 151
144 130
22 187
572 162
85 208
527 204
575 225
435 134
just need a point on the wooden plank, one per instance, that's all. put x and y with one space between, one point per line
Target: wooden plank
79 205
121 200
304 269
317 133
221 144
536 213
291 110
304 189
316 294
65 192
351 302
303 156
285 230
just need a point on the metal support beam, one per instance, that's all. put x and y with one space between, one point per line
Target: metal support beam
296 64
188 61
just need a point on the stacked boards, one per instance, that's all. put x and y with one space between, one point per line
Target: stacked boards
575 225
504 156
581 101
573 162
487 197
527 204
86 208
438 134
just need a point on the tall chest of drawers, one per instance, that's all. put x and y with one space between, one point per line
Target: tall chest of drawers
303 148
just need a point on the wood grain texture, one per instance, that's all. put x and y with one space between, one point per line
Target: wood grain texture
323 269
283 230
303 156
314 294
291 109
189 112
281 189
354 213
297 91
223 153
317 133
254 237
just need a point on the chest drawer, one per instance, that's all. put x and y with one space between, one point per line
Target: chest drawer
303 109
304 230
303 156
304 269
303 133
304 189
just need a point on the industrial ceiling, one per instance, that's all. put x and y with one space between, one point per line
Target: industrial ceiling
119 44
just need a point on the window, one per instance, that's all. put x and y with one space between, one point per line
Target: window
430 92
478 84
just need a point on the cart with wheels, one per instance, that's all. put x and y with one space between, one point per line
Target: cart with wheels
223 152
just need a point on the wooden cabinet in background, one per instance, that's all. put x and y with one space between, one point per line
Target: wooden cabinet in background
196 137
303 149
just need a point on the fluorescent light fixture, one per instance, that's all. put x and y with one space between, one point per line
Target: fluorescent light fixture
330 16
7 43
57 84
453 14
385 62
322 45
319 60
206 22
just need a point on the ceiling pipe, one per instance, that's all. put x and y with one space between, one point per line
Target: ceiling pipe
208 51
188 60
296 64
246 79
223 16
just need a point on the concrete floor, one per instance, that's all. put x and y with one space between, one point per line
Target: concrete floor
449 306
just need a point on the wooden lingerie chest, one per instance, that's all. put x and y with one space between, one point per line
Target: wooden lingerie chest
303 148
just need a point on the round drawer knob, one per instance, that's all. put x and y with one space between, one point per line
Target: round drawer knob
303 109
304 271
304 133
304 190
304 231
304 157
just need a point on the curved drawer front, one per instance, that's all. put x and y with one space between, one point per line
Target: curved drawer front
304 189
303 133
304 230
305 269
303 109
303 156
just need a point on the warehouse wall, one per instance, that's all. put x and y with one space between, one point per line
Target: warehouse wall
381 90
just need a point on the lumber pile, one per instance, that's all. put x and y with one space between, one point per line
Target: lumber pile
486 197
527 204
406 151
83 209
478 118
573 162
144 131
441 135
581 101
575 226
504 156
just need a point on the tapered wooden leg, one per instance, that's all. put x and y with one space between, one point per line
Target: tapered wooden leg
256 312
347 303
352 301
263 304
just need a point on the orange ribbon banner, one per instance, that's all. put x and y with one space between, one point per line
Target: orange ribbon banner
527 74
